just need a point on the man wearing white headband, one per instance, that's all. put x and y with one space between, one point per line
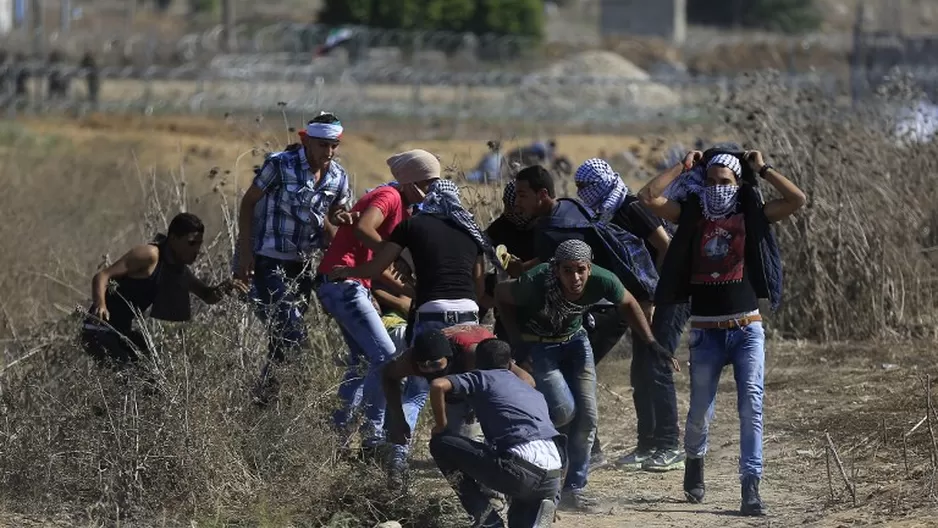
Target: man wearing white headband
724 258
297 199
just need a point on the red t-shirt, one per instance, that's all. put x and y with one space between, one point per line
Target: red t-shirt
346 249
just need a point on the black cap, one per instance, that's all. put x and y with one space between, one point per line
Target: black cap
432 345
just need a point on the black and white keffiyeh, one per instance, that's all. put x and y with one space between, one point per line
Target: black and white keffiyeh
600 187
442 199
556 306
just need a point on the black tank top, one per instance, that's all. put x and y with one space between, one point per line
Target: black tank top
132 295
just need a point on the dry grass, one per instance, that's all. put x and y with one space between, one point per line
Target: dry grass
189 445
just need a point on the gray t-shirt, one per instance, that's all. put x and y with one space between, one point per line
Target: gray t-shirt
510 411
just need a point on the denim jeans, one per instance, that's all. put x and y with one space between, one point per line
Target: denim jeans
349 303
710 351
653 382
468 465
566 376
282 290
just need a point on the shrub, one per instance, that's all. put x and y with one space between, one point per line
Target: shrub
790 16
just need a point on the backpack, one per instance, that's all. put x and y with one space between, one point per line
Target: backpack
626 254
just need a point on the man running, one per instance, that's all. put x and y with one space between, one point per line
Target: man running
723 258
542 311
657 449
448 250
155 274
349 301
292 208
523 456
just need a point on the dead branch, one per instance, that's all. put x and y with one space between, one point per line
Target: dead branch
840 466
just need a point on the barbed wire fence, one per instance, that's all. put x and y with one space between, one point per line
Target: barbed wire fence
376 73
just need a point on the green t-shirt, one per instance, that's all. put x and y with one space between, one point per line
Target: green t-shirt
530 295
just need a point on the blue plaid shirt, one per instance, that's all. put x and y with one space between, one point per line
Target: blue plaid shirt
289 220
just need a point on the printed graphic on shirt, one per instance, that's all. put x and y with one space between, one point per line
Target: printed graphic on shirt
719 258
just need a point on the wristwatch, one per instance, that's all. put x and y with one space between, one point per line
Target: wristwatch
764 169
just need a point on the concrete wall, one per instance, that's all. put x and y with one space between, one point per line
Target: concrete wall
658 18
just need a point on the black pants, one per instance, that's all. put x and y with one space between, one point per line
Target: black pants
113 349
466 464
651 378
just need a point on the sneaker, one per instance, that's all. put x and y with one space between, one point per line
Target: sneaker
576 500
752 504
665 460
545 514
694 487
635 459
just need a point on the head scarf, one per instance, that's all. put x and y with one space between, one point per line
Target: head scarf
414 166
442 199
557 308
693 181
508 200
328 131
602 189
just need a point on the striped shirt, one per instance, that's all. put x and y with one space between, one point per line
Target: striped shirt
289 220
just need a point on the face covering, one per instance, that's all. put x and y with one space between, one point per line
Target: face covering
719 201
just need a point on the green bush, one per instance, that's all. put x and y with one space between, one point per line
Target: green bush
789 16
505 17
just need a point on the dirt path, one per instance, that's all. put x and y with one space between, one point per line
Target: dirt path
808 390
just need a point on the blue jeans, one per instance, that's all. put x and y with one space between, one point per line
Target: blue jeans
710 351
282 290
653 382
566 376
349 303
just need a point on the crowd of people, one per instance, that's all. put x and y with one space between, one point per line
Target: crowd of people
409 277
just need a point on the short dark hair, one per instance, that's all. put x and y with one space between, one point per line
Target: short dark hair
538 178
432 345
325 117
493 354
185 224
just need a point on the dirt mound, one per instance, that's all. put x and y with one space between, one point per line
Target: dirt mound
596 79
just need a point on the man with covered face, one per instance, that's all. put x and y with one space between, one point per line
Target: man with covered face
724 258
542 312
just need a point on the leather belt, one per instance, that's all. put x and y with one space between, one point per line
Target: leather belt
726 325
447 317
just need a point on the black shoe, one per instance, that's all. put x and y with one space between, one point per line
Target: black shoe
694 487
752 503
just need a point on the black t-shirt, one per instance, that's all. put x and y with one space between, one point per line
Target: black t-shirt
720 282
520 242
444 256
638 220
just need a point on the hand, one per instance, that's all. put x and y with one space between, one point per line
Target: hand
346 217
438 429
515 267
692 158
245 271
340 273
233 284
755 160
101 312
663 355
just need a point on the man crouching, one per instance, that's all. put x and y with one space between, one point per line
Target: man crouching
523 454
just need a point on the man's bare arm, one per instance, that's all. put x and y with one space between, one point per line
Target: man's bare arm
245 231
381 260
399 303
792 198
396 425
135 263
438 390
478 276
634 316
523 374
659 240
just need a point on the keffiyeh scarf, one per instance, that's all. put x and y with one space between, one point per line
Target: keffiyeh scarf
556 306
442 199
600 187
693 181
508 200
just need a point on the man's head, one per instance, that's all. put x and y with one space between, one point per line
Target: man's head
320 139
432 353
184 237
572 264
723 169
492 354
415 170
534 191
